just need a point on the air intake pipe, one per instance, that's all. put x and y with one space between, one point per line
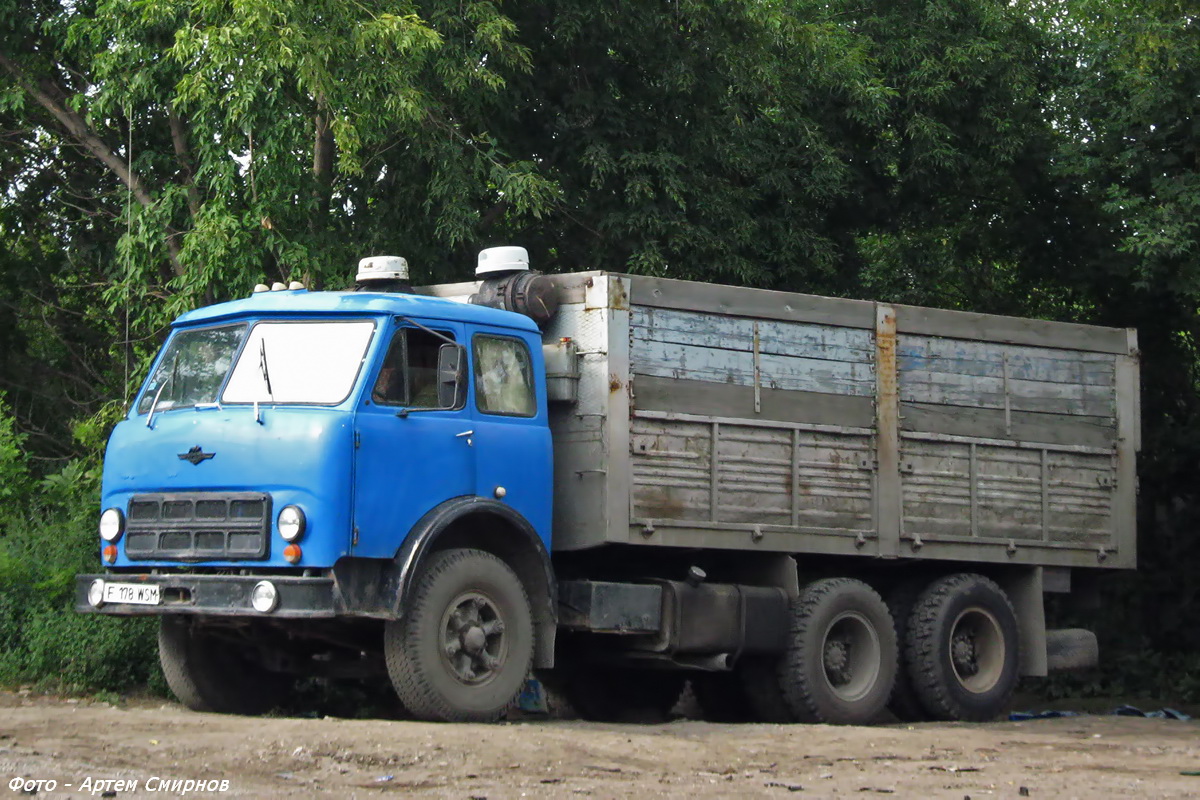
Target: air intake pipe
507 283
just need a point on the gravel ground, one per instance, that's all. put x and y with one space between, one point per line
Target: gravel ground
81 742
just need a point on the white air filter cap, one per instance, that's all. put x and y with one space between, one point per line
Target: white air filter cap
502 259
382 268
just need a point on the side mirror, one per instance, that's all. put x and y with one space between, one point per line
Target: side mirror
450 375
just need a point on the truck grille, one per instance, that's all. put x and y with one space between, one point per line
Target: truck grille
198 526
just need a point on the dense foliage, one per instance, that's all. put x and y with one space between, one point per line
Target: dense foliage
1036 157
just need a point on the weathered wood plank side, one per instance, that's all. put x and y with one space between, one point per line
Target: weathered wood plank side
717 472
716 331
1023 426
667 360
926 354
973 375
970 392
728 400
1010 330
1007 494
754 303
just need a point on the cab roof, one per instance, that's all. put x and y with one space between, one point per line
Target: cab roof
303 302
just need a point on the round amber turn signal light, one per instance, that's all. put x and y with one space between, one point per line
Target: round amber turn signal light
291 553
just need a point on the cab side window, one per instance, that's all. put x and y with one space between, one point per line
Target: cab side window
409 373
503 377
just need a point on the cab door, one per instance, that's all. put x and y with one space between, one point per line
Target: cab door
410 455
513 450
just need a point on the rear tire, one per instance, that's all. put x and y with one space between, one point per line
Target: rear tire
904 703
963 648
759 676
464 647
722 697
208 673
841 662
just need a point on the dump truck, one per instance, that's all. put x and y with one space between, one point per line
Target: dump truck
809 509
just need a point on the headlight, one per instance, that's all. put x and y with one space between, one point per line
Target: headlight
263 597
291 523
96 593
112 524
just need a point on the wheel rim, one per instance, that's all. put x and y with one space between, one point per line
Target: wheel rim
977 649
850 656
473 643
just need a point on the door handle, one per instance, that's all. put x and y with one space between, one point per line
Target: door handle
464 433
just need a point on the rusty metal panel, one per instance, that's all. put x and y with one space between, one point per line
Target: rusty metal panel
1010 495
580 432
887 425
693 469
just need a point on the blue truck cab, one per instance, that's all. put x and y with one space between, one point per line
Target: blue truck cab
309 467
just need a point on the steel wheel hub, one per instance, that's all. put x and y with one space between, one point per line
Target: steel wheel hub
473 642
977 649
851 656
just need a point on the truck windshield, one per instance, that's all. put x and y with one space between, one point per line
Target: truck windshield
193 368
299 362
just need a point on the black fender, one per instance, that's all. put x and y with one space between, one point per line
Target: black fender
522 549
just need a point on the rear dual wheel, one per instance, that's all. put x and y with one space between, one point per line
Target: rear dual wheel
962 649
840 663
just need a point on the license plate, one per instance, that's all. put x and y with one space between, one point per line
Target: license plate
138 594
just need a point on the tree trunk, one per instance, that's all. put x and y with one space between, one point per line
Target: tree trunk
323 157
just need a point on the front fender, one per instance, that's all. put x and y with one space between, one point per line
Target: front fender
514 540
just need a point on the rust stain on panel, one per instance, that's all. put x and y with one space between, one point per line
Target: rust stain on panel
885 361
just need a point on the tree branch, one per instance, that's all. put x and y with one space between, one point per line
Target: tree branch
50 97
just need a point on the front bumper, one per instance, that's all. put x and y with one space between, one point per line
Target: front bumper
217 595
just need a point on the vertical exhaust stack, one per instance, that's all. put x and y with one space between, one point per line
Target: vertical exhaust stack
383 274
509 284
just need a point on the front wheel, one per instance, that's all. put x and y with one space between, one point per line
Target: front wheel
210 673
841 661
464 647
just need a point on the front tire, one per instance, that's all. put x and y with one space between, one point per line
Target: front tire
464 647
963 648
841 662
208 673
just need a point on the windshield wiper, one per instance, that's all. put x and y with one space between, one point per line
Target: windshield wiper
169 381
262 365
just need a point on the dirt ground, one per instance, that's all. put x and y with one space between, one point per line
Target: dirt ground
73 741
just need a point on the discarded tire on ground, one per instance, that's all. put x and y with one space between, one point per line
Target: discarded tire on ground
840 664
1072 648
465 644
962 648
208 673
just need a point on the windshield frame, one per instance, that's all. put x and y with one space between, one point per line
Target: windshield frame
248 326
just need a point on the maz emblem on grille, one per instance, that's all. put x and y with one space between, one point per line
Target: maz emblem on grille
196 455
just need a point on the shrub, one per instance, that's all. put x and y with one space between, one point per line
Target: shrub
49 536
